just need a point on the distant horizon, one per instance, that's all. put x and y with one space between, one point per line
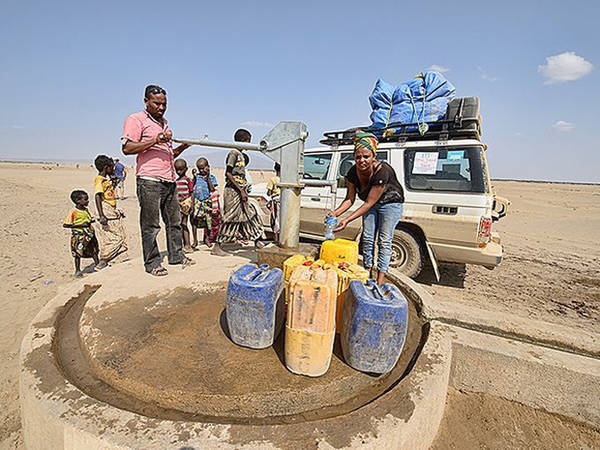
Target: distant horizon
90 163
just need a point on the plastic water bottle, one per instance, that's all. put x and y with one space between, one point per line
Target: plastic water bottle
330 224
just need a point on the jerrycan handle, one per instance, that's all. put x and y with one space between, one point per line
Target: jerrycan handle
378 293
258 273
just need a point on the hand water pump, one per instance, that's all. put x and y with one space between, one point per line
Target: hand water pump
284 144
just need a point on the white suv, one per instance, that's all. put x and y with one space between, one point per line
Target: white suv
449 204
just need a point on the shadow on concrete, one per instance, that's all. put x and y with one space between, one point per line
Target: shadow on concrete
248 251
224 324
452 275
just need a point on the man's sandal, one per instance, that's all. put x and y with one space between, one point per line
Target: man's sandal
159 271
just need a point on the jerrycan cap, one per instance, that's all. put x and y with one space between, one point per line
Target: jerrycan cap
344 265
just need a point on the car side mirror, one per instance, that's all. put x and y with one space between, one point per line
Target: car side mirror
341 182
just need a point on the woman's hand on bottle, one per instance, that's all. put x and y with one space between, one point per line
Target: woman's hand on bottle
341 225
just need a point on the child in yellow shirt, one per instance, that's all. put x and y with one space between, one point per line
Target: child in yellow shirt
111 233
83 238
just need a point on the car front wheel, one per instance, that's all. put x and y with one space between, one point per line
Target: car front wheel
407 253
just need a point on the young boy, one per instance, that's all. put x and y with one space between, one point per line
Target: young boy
185 189
83 239
206 202
111 233
241 221
273 191
120 175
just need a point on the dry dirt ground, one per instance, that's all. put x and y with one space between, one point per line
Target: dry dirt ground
550 272
481 421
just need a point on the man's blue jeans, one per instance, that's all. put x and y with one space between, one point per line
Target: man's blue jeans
380 220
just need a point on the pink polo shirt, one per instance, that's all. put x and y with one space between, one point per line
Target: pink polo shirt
157 161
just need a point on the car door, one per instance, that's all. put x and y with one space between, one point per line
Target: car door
315 201
346 161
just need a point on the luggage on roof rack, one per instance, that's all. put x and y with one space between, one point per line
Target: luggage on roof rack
463 121
464 111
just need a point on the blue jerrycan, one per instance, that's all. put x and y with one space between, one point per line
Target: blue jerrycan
255 305
374 320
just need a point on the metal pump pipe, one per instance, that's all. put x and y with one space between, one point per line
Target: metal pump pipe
207 143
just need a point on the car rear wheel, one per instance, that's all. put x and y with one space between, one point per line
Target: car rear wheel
407 253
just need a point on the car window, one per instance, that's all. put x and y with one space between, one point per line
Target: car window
316 166
445 169
347 161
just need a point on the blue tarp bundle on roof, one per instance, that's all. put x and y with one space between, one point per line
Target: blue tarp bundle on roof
422 99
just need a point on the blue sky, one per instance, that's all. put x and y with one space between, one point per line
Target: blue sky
72 71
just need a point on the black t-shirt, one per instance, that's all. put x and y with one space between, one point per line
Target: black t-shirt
384 175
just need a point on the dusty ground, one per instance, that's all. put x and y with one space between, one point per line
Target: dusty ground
482 421
550 272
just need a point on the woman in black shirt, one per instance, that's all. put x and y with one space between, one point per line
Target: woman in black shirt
377 186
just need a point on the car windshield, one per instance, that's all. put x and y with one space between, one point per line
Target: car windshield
445 169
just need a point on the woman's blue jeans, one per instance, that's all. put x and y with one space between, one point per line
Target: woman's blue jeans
380 220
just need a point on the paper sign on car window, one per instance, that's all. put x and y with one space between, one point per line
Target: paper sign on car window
425 163
455 155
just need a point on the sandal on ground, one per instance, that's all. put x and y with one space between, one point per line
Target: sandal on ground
159 271
188 250
186 262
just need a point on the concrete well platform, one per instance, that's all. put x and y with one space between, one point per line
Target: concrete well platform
121 360
173 350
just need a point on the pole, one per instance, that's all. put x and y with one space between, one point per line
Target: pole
289 234
206 143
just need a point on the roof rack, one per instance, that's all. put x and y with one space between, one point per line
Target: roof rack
439 130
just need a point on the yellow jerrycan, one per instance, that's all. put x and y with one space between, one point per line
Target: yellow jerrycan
346 273
310 322
339 250
288 267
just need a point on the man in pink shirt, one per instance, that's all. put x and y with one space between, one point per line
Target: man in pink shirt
147 135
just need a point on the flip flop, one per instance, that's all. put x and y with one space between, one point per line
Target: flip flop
159 271
186 262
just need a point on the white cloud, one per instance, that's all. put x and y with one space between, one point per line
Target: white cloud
563 126
564 67
437 68
16 127
486 76
256 124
